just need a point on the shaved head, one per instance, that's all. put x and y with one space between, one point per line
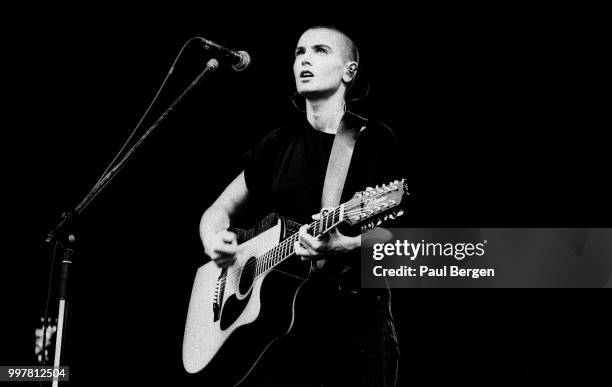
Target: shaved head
349 48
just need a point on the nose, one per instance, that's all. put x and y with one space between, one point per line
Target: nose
306 58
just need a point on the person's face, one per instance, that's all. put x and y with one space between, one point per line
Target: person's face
319 64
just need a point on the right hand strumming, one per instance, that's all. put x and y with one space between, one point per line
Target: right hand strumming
221 247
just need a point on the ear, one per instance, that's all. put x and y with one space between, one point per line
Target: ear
350 71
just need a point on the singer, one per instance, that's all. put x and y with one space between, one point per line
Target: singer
342 334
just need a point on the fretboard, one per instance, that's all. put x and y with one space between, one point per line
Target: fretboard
285 249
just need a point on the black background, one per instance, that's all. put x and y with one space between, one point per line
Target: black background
498 111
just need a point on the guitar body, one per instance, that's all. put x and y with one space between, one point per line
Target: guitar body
234 316
236 312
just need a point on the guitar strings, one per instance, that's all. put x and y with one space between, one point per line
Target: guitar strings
285 249
280 251
269 259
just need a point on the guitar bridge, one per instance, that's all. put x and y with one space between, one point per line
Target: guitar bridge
218 295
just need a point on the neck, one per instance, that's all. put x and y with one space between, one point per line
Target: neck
325 114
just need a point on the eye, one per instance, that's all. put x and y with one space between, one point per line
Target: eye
299 51
321 50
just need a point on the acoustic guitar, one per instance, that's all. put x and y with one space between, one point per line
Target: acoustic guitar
235 313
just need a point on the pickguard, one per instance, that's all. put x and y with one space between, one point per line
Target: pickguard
233 309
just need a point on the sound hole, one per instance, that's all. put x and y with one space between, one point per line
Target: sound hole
247 276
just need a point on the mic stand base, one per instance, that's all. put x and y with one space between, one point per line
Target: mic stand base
63 303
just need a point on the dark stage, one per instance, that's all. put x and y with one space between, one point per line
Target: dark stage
496 111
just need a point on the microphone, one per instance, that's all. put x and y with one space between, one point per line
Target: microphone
240 60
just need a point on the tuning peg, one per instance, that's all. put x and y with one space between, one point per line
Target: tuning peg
355 218
376 209
369 189
400 213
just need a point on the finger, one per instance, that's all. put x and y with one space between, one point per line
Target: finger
304 229
222 258
300 250
303 232
216 256
305 252
309 242
228 237
224 262
311 253
323 211
226 249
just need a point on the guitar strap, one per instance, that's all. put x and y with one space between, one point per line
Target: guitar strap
339 160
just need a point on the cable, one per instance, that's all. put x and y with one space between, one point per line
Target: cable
367 92
94 191
110 165
211 65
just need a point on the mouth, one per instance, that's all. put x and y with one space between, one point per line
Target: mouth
306 74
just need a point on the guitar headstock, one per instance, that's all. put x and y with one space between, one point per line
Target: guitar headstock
376 204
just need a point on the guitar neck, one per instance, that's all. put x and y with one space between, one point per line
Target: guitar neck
285 249
371 204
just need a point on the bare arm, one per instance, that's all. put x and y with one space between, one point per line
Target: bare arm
220 244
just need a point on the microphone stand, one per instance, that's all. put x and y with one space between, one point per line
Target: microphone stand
69 216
